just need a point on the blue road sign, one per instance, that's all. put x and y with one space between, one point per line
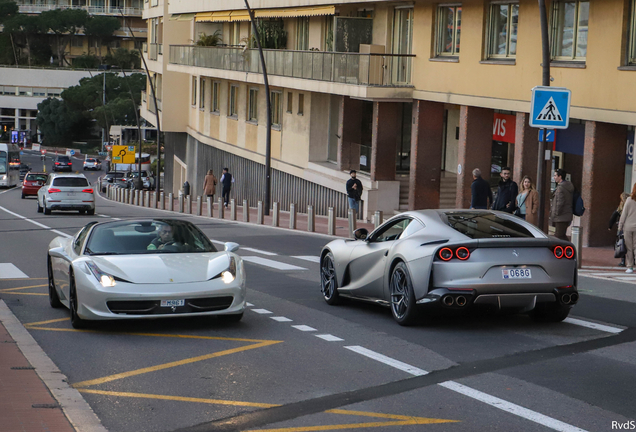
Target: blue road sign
550 137
72 152
550 107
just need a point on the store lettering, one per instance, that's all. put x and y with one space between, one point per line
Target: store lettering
503 128
499 128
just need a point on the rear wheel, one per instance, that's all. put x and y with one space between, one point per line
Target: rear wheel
54 299
402 296
76 321
23 196
550 312
40 209
90 212
328 280
47 211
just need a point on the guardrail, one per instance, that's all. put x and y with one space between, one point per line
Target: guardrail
93 10
154 50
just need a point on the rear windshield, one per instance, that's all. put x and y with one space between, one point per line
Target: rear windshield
37 177
115 174
485 225
63 159
90 160
70 181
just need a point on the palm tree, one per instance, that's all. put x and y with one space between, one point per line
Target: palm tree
210 40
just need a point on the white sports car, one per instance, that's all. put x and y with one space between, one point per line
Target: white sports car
146 268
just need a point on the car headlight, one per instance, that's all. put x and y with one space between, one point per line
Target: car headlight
104 278
4 177
229 275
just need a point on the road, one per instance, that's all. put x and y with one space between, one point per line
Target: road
295 363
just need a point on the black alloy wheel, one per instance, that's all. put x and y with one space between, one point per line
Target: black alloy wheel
76 321
54 299
328 280
402 297
47 211
40 209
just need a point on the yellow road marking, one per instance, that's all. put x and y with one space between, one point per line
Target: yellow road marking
47 322
22 279
356 425
171 364
23 293
21 288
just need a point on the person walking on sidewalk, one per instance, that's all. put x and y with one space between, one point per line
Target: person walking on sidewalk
616 216
354 191
209 184
528 201
506 193
226 180
627 225
561 209
480 193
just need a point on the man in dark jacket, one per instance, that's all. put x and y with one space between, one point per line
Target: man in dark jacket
561 214
354 191
226 180
481 195
506 193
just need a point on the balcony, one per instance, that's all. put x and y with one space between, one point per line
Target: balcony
153 51
93 10
372 70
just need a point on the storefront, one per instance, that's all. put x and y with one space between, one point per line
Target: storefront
503 140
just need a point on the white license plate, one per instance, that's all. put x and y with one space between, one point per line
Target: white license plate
517 274
172 303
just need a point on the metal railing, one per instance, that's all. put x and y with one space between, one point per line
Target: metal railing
152 51
93 10
383 70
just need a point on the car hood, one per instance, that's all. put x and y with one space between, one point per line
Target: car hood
164 268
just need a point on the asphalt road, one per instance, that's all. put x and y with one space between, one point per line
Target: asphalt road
295 363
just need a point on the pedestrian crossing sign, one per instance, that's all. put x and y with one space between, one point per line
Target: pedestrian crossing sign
550 107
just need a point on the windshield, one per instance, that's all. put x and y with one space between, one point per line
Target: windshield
3 162
63 159
37 177
70 181
147 237
485 225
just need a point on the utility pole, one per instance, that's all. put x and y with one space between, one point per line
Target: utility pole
268 136
104 104
543 184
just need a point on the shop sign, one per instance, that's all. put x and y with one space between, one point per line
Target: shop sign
503 128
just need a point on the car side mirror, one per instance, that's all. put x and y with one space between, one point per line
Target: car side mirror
361 234
57 252
231 247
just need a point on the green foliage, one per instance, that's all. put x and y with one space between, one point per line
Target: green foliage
6 50
272 33
8 9
210 40
86 61
64 24
124 59
41 51
101 29
153 166
59 124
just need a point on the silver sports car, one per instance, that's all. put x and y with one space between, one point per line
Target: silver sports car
144 269
453 259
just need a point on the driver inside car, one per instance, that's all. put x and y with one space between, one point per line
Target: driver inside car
164 238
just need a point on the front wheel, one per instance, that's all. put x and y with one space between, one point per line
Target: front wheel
402 296
54 299
90 212
328 280
76 321
231 318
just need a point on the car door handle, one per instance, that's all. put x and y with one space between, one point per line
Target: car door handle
386 253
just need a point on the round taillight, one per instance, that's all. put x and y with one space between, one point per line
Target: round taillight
569 252
446 254
462 253
558 252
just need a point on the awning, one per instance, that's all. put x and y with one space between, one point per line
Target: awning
204 17
240 15
182 17
295 12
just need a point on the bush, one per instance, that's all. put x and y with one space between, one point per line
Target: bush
86 61
153 165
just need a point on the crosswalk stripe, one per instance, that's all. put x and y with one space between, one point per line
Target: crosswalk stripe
311 258
10 271
593 325
258 251
329 337
271 263
304 328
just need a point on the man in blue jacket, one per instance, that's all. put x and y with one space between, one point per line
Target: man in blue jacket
226 180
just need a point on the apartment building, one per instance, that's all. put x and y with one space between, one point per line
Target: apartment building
413 95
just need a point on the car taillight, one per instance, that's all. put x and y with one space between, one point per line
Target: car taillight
558 252
446 254
53 190
462 253
87 190
569 252
57 163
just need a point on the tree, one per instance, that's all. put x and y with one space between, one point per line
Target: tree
64 24
210 40
26 27
124 59
101 29
59 125
8 10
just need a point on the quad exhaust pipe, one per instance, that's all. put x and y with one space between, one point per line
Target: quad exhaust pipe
450 300
570 298
460 300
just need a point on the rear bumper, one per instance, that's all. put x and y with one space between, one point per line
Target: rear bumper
71 206
62 168
28 190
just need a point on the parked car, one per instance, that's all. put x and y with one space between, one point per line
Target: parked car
111 177
92 164
66 192
32 183
101 273
24 169
63 163
146 177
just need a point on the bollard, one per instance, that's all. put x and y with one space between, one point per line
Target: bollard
180 203
108 192
577 239
246 211
170 201
377 219
352 221
221 209
147 199
136 198
233 209
292 216
155 200
199 206
162 201
259 213
311 219
188 204
210 205
275 215
331 221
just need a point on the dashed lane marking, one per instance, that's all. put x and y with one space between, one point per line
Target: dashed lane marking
281 319
271 263
259 251
248 304
387 360
329 338
36 223
304 328
311 258
261 311
593 325
10 271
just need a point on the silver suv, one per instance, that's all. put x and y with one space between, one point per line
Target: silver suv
66 192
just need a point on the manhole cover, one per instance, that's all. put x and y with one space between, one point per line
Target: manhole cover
53 405
22 368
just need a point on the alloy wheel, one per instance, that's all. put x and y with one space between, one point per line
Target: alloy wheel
399 293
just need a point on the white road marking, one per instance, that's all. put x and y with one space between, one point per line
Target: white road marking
387 360
258 251
61 233
329 338
311 258
35 223
625 278
103 215
609 274
593 325
261 311
304 328
270 263
10 271
248 304
281 319
217 241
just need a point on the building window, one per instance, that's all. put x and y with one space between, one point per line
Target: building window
301 104
329 33
502 31
631 55
402 43
569 30
194 90
233 103
302 33
277 108
77 42
449 23
290 101
252 105
216 92
202 94
235 33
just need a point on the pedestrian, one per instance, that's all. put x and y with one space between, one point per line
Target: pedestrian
506 193
528 201
627 225
354 191
226 180
209 185
616 216
561 209
481 194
